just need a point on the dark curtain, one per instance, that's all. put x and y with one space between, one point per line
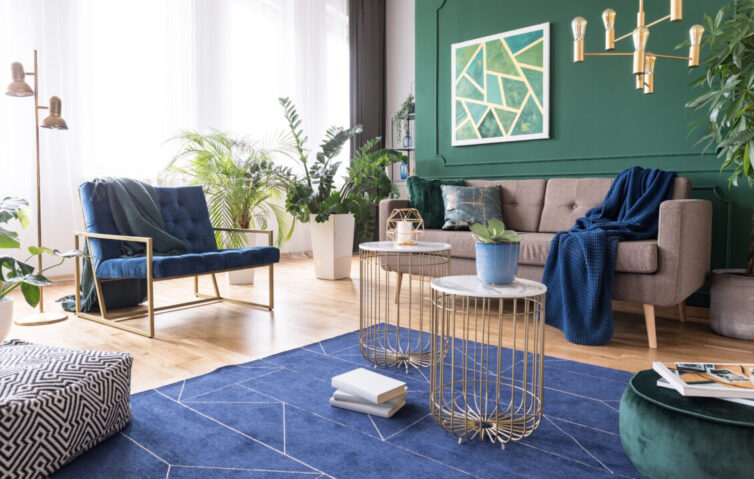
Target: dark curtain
366 23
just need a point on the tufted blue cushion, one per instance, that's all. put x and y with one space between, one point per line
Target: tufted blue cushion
188 264
186 217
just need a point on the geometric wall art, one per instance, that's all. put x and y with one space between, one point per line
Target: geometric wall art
501 87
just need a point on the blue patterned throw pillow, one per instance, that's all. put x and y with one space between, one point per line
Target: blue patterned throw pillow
466 205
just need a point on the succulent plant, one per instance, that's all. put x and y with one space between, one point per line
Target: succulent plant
494 233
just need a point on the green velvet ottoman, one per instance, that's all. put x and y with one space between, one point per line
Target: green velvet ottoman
670 436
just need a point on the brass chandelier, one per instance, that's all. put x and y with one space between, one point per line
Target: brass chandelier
644 62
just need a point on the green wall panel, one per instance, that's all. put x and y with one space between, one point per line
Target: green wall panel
599 124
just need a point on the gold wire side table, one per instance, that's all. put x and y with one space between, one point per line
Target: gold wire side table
394 301
480 389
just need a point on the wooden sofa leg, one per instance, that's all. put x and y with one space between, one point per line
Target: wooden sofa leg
649 318
682 311
398 281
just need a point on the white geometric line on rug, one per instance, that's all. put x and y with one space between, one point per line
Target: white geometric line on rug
582 425
589 375
343 349
591 466
231 402
167 474
183 385
364 433
606 404
284 451
277 471
312 413
407 427
233 384
579 444
382 438
581 396
242 434
143 447
322 348
424 375
243 365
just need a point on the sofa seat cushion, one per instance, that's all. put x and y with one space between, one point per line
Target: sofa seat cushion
188 264
462 244
632 257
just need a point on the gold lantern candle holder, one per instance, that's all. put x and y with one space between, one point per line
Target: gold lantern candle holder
404 226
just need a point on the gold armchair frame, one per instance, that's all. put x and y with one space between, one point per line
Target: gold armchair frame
113 320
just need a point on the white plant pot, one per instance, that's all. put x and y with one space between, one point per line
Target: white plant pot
6 316
332 246
243 276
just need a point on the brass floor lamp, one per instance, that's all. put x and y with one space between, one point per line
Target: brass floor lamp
54 121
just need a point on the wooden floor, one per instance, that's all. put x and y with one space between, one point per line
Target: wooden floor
198 340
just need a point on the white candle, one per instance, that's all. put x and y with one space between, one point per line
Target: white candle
404 232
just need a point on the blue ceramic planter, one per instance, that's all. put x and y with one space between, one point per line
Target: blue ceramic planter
497 263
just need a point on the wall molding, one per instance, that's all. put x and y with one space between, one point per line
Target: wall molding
438 156
575 158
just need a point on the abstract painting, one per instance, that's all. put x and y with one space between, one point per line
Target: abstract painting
500 89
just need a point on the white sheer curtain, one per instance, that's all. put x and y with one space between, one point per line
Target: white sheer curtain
132 74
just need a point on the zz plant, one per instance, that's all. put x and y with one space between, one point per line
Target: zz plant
315 193
494 233
729 99
15 273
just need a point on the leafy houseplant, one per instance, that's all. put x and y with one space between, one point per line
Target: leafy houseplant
729 103
315 194
244 187
496 252
400 117
15 273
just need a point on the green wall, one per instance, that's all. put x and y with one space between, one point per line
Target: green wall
599 124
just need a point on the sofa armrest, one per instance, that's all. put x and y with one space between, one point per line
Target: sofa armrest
684 245
242 230
386 207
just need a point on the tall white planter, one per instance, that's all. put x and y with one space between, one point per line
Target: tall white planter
243 276
6 316
332 246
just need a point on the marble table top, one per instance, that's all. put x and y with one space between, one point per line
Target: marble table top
470 285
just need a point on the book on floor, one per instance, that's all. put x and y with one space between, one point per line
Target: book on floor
746 402
339 395
369 386
386 409
709 379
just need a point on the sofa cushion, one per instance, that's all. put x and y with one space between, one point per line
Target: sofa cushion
425 195
468 205
568 199
188 264
632 257
522 201
462 244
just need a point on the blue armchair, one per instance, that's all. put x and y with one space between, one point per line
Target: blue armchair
185 213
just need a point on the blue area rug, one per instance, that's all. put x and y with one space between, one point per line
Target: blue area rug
271 418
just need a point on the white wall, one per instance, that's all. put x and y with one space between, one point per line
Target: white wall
400 58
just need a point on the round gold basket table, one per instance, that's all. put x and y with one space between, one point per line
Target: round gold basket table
488 341
394 300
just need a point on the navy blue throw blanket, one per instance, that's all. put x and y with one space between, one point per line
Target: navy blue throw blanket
580 267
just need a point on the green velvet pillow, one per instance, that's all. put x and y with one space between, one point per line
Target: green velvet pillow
425 195
466 205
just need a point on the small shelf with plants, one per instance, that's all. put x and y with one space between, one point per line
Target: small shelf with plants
401 138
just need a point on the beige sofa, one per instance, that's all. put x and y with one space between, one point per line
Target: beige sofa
658 272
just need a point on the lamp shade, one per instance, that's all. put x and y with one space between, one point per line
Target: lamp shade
54 121
18 86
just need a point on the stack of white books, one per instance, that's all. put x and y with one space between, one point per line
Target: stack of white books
365 391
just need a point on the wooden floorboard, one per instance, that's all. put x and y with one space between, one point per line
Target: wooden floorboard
198 340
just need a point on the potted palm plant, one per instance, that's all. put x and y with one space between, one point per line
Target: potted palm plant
333 211
244 187
15 273
496 252
729 103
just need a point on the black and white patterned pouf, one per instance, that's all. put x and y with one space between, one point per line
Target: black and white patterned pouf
56 403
